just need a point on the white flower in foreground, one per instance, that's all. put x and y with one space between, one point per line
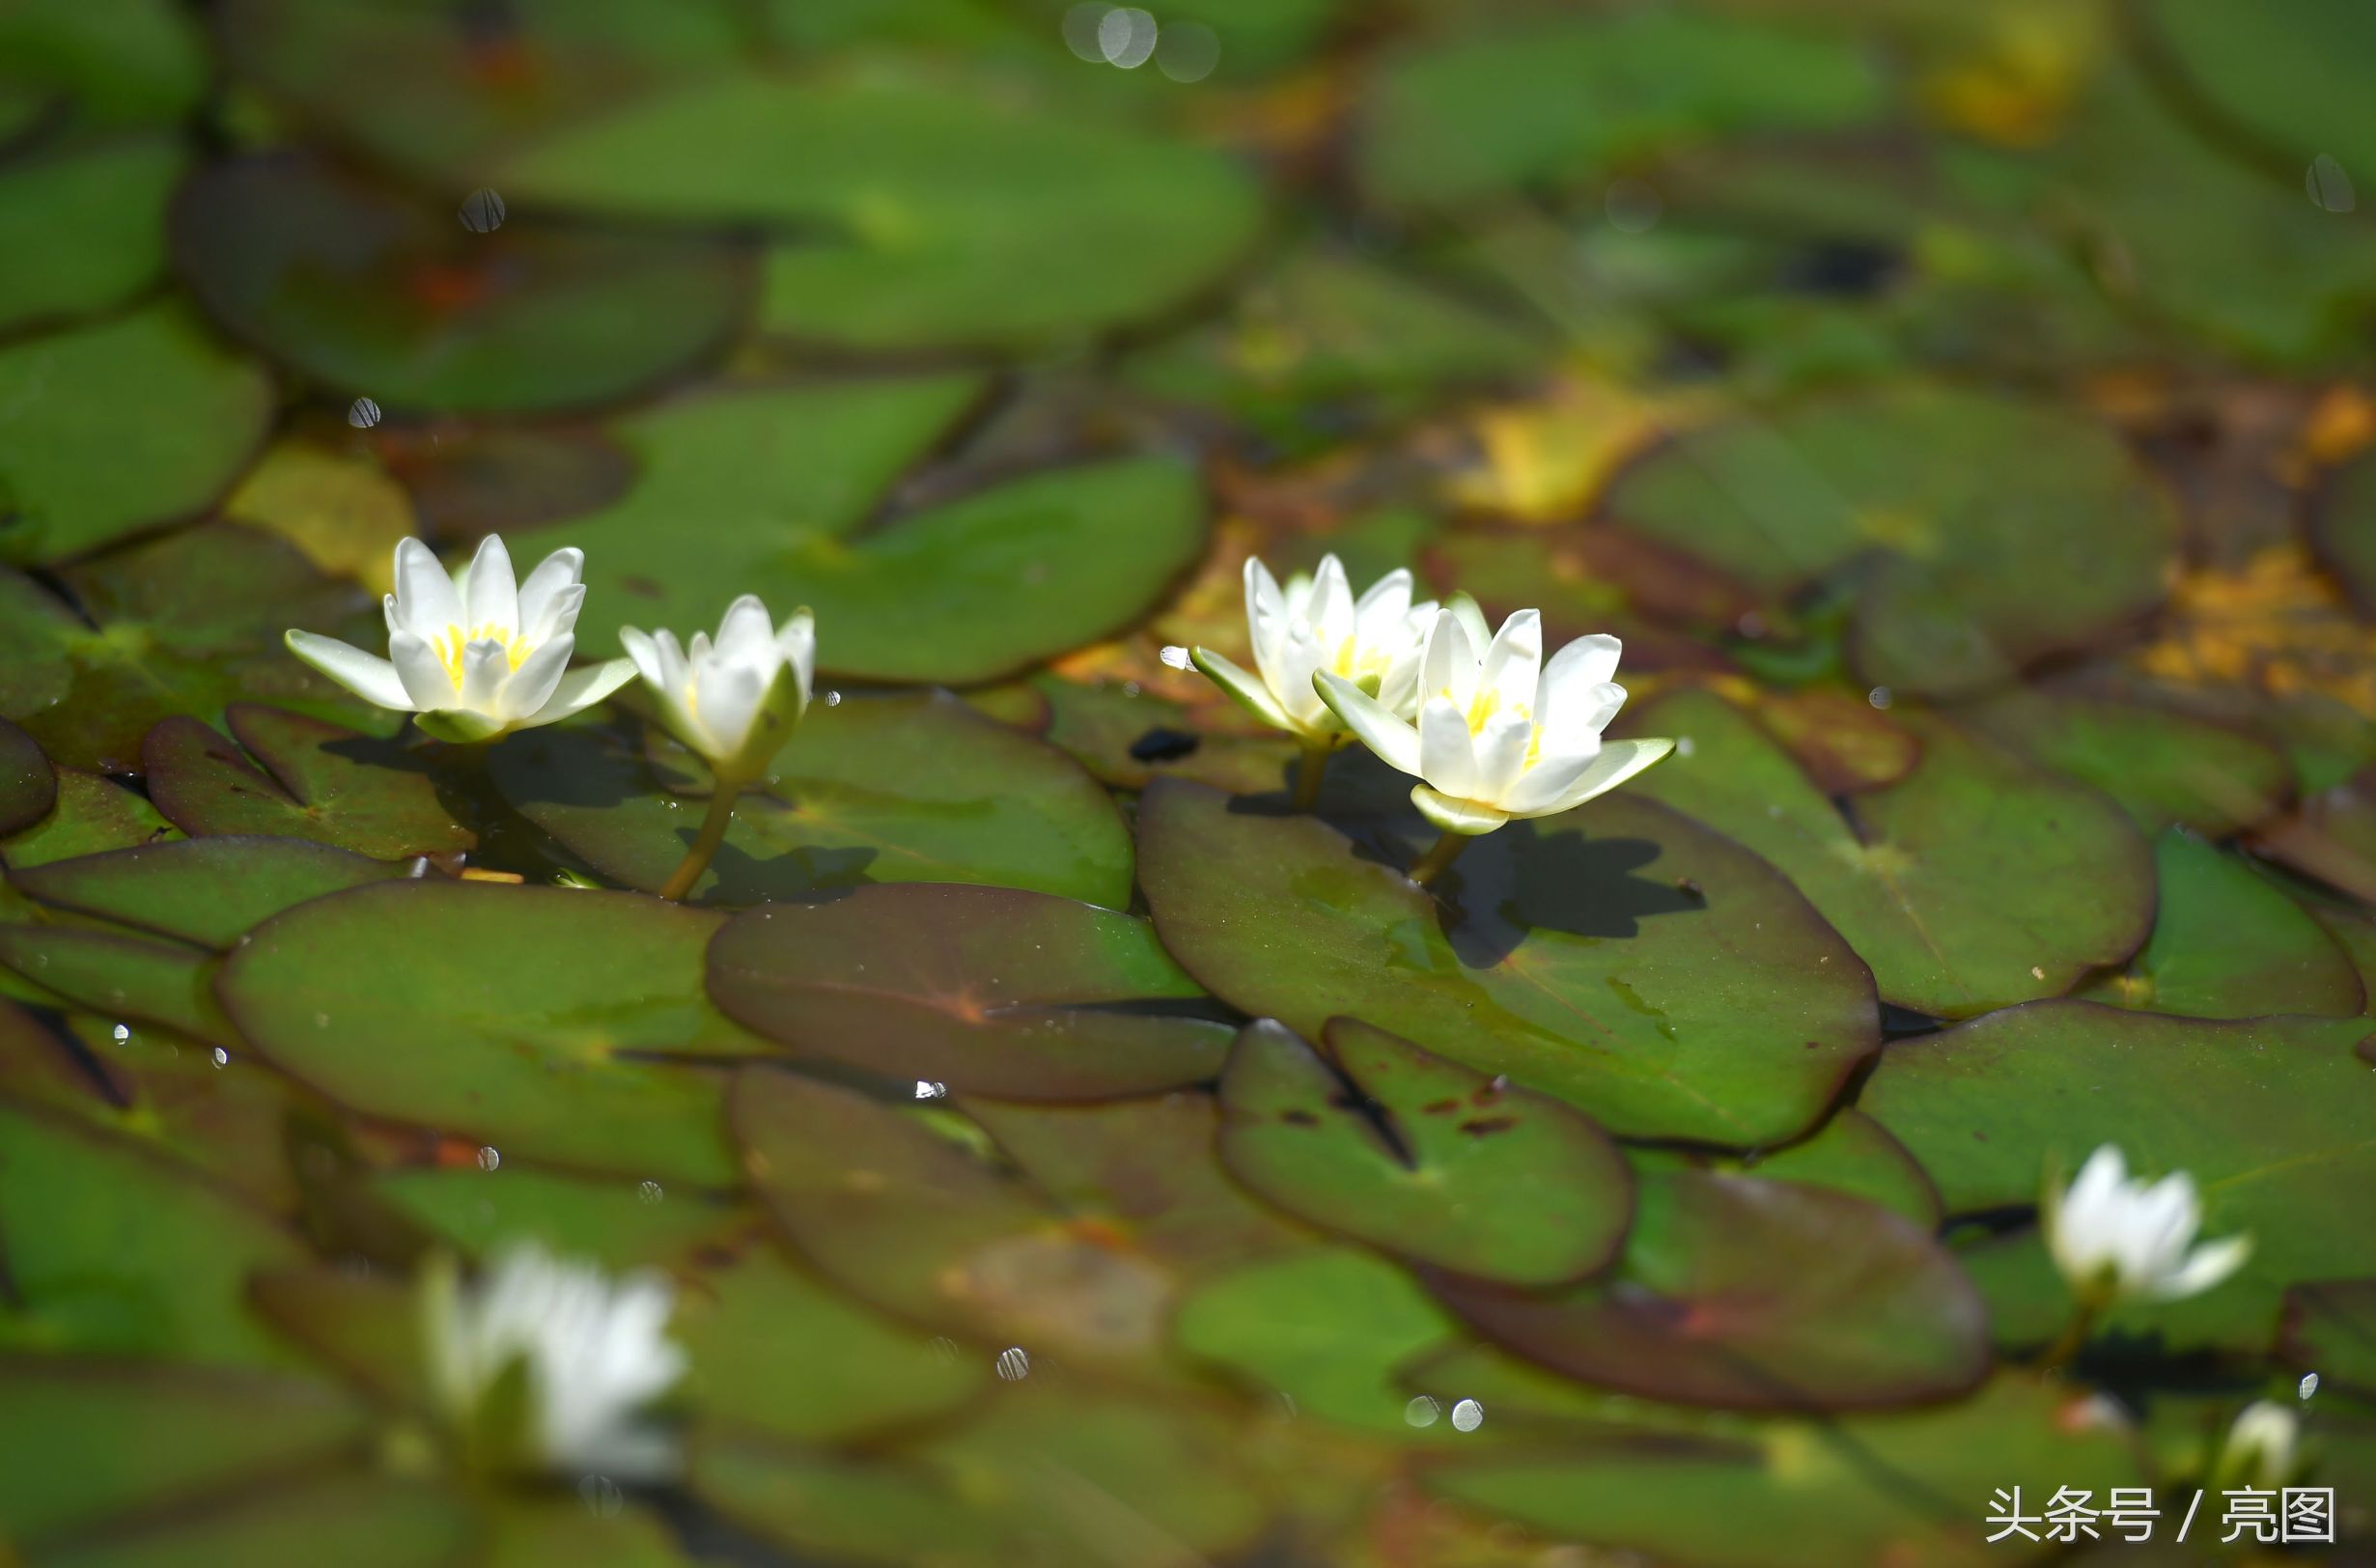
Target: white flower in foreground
1315 624
2262 1448
1501 734
735 701
593 1353
2118 1239
478 654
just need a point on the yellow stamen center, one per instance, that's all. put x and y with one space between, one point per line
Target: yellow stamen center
454 642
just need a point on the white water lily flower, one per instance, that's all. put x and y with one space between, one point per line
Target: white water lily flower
1501 734
477 654
594 1352
1315 624
2119 1240
2262 1448
736 700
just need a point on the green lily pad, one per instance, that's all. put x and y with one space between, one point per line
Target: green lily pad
1974 883
1741 1294
2284 81
1373 1137
986 990
1620 958
117 427
118 62
2228 944
87 226
82 1441
2329 1327
777 1352
944 218
298 778
2268 1115
92 815
615 1221
1127 738
529 1533
1329 1328
1991 531
121 976
538 1020
982 587
900 789
1855 1155
764 467
187 624
368 292
111 1248
28 784
207 891
1555 103
1911 1487
366 1327
2161 766
364 1518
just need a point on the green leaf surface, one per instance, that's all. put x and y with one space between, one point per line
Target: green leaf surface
765 468
2163 766
899 788
2282 79
298 778
1750 1295
28 784
988 991
613 1221
1620 958
1854 1153
1556 102
85 227
364 1518
2331 837
1910 1487
117 62
1974 883
2330 1326
945 218
76 473
2270 1116
1989 532
207 891
538 1020
82 1441
121 976
369 292
114 1250
92 815
2228 944
1370 1137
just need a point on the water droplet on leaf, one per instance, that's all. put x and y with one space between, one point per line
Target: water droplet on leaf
490 1157
482 212
1014 1364
1468 1416
362 413
1422 1410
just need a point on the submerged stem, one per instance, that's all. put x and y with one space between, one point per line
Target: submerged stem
1308 774
713 825
2072 1339
1431 865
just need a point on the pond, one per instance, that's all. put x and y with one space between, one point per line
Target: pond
1473 782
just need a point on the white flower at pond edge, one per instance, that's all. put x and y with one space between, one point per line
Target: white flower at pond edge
477 654
594 1352
1499 733
736 700
2116 1239
1315 624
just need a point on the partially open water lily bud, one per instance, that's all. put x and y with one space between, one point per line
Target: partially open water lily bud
737 699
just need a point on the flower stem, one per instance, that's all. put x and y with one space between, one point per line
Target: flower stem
1309 773
1431 865
713 825
2072 1339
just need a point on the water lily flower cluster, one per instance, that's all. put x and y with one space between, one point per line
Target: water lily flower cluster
549 1366
1492 732
477 654
2117 1239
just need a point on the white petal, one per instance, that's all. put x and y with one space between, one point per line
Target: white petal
1513 665
1447 751
487 664
1457 816
426 603
490 594
1448 666
646 654
1248 691
1266 614
796 640
1472 620
727 697
1501 755
1393 738
421 672
1381 611
1301 656
580 689
746 636
1618 761
2211 1263
1575 671
549 599
531 686
1330 608
1550 777
367 675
